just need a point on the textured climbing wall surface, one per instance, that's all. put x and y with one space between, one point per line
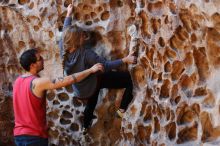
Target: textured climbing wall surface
176 78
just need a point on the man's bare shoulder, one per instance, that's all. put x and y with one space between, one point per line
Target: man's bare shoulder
41 80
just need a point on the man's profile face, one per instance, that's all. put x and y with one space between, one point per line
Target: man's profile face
40 62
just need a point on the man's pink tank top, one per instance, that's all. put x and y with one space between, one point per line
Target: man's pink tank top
29 110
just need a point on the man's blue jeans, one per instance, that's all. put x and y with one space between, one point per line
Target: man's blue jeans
30 141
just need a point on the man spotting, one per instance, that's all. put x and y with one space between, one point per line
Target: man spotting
29 100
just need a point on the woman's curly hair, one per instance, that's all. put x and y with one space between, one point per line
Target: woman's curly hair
72 38
75 37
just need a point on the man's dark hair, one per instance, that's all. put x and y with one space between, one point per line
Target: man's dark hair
27 58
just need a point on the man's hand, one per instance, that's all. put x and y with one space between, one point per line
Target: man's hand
69 10
130 59
97 67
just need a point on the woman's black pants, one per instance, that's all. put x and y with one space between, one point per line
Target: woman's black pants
110 80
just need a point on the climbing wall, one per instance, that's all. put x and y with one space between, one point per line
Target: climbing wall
176 80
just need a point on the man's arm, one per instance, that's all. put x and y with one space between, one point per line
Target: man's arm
39 85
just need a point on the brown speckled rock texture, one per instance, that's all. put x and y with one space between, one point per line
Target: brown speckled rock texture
176 80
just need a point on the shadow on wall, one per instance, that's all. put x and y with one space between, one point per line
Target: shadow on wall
6 122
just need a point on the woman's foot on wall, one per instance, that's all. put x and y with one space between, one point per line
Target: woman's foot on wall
120 113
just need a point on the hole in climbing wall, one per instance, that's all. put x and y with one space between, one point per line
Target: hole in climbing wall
200 91
63 97
87 8
54 133
74 127
167 67
78 16
93 2
60 28
67 2
93 15
56 102
171 130
86 17
64 121
54 114
76 102
51 35
31 6
99 9
120 3
77 112
154 7
21 44
193 37
161 42
4 1
105 15
50 96
96 20
88 23
36 28
66 114
172 7
165 89
22 2
155 24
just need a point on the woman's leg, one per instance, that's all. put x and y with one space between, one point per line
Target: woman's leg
117 80
112 80
89 109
